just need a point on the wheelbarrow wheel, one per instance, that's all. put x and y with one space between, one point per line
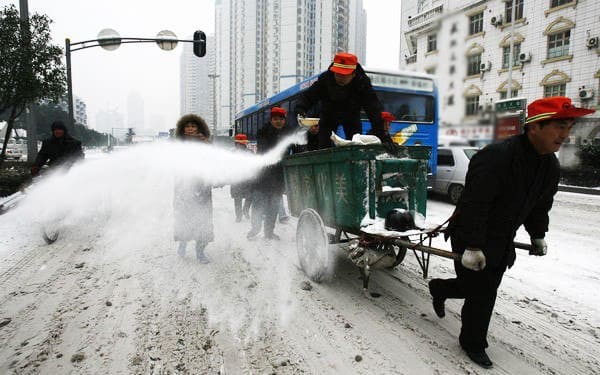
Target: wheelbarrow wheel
312 244
400 252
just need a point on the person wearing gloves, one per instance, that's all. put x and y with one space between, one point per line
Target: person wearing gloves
343 90
508 184
59 150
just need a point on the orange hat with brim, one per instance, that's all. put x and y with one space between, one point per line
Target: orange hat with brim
387 116
344 63
278 111
554 108
241 138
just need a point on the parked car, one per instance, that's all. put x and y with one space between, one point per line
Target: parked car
452 165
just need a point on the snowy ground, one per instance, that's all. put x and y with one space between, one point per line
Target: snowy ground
111 296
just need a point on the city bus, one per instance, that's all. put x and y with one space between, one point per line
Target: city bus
411 97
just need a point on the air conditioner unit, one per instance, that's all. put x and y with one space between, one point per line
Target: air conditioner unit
586 93
592 42
496 20
524 57
485 66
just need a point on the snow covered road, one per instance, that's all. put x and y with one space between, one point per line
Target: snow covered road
91 304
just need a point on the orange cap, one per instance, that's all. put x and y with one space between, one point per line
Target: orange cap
387 116
344 63
278 111
241 138
555 107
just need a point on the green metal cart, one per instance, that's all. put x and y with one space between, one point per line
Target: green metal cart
342 187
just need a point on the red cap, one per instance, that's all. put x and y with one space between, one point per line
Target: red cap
278 111
387 116
554 108
344 63
241 138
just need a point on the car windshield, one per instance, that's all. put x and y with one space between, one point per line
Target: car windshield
470 152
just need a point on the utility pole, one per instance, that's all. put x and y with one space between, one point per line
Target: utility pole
214 100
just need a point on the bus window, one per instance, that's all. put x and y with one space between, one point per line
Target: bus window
407 107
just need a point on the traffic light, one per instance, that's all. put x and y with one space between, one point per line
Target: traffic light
199 43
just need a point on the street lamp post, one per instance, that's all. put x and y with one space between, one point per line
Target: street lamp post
111 40
214 100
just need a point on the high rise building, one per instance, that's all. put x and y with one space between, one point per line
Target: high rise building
109 119
135 111
80 110
195 91
265 46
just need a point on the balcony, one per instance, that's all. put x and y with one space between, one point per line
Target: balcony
424 17
411 59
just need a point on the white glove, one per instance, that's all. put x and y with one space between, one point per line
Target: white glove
473 259
539 247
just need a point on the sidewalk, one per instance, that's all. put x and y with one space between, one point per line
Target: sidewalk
579 189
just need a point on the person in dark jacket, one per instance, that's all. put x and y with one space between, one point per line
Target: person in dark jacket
343 90
269 186
192 198
508 184
241 192
59 150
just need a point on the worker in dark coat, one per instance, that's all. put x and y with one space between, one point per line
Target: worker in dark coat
270 185
242 191
508 184
192 197
59 150
343 90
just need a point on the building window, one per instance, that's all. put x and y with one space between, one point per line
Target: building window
506 52
472 105
431 42
558 44
555 90
452 70
557 3
473 64
476 23
430 70
451 100
454 28
513 94
518 10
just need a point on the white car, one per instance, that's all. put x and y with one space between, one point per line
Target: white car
452 165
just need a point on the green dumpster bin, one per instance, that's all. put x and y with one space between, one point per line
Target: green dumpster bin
346 184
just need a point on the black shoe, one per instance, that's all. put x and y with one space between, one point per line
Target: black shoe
480 357
438 302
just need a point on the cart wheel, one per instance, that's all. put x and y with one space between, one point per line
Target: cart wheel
312 244
400 252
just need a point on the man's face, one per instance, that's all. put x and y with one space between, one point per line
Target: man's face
549 138
58 133
386 126
278 122
342 79
314 129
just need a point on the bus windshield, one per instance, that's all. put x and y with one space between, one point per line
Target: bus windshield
407 107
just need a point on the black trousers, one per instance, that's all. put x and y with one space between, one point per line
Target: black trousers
329 124
478 288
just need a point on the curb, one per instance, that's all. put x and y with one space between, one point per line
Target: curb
579 189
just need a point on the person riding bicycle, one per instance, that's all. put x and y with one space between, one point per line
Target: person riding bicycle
59 150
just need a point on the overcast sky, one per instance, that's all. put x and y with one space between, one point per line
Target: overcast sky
104 79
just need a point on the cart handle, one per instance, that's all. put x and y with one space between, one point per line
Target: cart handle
446 253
